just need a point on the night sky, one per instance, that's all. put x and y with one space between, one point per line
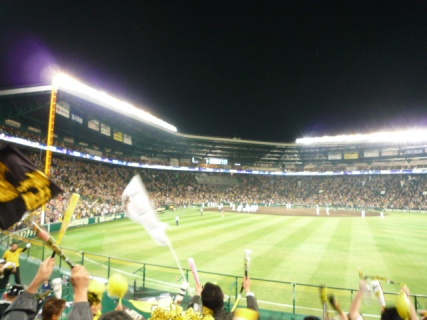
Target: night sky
258 70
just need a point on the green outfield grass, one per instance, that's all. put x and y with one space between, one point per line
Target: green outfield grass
308 250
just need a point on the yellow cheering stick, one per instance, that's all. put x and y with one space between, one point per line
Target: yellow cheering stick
117 287
365 277
404 306
361 277
51 243
67 218
376 286
387 280
324 300
247 262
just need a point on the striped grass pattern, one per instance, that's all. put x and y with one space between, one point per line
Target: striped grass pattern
309 250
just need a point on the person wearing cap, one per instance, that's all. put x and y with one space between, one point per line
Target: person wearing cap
12 256
9 297
211 297
47 286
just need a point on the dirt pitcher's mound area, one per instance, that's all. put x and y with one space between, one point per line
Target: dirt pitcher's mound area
307 212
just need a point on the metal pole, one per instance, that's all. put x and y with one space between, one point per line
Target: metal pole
294 299
143 276
50 135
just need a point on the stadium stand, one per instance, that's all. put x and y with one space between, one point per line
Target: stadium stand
101 185
27 112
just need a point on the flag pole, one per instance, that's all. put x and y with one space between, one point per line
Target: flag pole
138 207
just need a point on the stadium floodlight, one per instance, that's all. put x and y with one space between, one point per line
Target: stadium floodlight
34 89
407 136
68 84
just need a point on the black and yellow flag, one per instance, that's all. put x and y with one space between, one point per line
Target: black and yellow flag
22 186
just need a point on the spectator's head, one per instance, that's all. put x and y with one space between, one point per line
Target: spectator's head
14 292
116 315
53 308
390 314
212 296
94 303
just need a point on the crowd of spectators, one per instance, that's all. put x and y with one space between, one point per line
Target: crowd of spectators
101 186
62 143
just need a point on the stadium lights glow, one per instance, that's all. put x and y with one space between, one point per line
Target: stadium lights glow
396 137
66 83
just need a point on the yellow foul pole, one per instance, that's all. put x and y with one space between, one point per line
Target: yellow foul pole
50 135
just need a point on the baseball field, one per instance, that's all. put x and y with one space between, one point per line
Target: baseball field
293 253
288 245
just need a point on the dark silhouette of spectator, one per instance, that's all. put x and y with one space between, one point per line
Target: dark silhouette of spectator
212 297
9 297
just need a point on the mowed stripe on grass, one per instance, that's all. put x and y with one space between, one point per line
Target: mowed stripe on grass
312 250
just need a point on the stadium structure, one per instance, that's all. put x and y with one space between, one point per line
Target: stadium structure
100 126
92 125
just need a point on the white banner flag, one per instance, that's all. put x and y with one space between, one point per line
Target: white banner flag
138 207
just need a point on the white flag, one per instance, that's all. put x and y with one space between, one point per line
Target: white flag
138 207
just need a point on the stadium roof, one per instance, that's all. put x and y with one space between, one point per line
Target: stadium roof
30 108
